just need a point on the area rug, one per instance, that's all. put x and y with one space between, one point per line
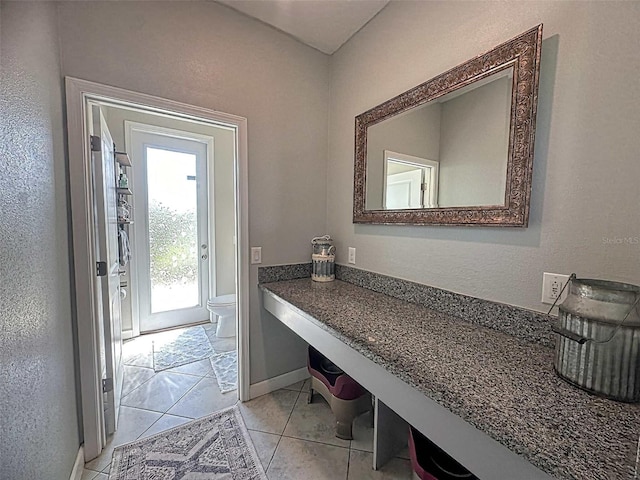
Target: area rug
225 366
179 347
211 448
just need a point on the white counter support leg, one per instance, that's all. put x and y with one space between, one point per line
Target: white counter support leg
390 434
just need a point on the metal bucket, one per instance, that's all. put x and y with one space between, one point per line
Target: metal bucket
598 344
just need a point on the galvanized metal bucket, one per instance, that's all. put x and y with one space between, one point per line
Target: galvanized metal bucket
598 343
323 259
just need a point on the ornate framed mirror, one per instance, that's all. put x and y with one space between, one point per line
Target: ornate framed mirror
457 149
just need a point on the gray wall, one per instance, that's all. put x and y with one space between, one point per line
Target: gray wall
415 133
584 213
474 146
39 426
205 54
222 203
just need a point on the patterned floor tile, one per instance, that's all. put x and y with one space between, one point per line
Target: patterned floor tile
203 399
161 392
265 444
134 377
269 413
300 459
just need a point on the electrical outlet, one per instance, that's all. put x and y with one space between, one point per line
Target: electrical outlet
256 255
352 255
552 285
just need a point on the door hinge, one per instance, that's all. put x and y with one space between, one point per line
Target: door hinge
101 269
424 187
107 385
95 143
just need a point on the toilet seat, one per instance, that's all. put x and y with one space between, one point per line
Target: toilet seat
223 300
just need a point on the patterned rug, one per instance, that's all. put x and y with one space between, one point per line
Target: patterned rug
179 347
225 366
211 448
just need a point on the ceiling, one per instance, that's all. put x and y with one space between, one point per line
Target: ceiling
322 24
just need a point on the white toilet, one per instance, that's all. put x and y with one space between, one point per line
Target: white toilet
224 307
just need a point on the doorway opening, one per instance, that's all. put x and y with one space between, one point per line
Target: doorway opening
180 210
176 270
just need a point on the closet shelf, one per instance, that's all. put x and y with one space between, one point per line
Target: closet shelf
123 159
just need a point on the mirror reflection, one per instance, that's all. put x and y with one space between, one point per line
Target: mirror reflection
450 152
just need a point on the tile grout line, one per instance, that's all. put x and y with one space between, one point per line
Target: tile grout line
148 379
96 473
159 418
281 435
172 405
315 441
188 391
156 374
151 368
348 464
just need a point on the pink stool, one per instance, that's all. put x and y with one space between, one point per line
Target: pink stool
347 398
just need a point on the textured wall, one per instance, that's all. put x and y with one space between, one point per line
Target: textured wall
584 213
206 54
39 432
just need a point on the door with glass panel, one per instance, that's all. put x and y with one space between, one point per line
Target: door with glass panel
171 229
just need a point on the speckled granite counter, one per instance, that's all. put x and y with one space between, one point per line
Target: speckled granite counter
502 385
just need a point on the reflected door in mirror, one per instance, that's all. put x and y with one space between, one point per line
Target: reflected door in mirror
409 182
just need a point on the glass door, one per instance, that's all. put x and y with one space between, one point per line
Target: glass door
173 273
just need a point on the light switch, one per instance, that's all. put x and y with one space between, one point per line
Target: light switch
256 255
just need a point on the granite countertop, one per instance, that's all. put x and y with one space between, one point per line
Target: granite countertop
502 385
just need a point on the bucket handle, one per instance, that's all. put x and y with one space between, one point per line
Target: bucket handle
563 331
322 239
568 334
579 338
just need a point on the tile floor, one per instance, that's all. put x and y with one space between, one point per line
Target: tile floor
294 439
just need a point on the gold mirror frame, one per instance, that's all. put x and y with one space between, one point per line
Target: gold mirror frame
523 54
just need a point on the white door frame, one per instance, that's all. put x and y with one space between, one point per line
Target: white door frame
82 217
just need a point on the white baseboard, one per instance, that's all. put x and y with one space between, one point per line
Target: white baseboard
78 465
276 383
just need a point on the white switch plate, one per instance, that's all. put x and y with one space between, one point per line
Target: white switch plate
256 255
352 255
552 284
